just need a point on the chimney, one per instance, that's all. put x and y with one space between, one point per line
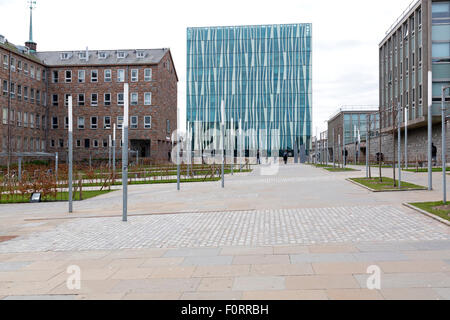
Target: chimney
31 45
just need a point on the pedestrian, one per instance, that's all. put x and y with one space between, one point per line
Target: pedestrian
285 157
258 157
434 154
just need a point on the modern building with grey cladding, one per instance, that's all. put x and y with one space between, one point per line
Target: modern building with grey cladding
414 66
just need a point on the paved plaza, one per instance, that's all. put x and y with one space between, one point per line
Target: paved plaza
304 233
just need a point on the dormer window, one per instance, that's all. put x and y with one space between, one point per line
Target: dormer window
65 56
120 55
102 55
140 54
82 56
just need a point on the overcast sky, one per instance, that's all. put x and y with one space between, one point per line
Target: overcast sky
346 35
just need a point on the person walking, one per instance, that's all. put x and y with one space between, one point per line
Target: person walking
434 154
258 157
285 157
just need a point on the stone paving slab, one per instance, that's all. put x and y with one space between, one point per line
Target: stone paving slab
231 229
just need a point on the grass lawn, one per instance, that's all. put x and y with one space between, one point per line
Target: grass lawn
424 170
61 197
119 182
386 185
431 207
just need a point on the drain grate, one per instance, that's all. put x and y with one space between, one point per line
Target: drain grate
7 238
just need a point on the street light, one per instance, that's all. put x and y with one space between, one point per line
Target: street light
125 154
444 145
399 110
70 155
223 143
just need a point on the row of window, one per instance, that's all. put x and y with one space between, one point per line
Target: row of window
24 119
94 122
23 92
107 99
88 143
25 145
107 76
19 66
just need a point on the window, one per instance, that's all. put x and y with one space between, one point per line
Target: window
54 100
32 72
81 76
148 99
148 75
120 55
44 122
61 143
81 100
25 68
134 75
55 76
78 143
32 95
108 76
13 64
66 99
94 99
80 122
31 120
25 93
54 122
105 143
13 90
94 123
134 122
107 122
19 119
120 75
38 121
66 122
107 99
38 74
44 75
65 56
147 122
168 126
140 54
38 97
119 122
19 65
120 101
5 87
19 92
95 143
5 61
134 99
52 143
102 55
11 117
94 76
5 115
82 56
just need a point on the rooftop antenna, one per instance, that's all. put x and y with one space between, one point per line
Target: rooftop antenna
32 4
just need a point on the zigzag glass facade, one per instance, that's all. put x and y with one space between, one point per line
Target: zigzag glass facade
263 74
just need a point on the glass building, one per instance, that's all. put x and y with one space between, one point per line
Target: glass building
262 74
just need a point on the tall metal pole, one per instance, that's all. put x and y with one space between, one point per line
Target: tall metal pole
356 146
56 167
70 155
444 147
399 108
406 137
125 154
334 151
114 151
223 143
109 152
367 146
240 146
20 168
178 153
232 145
430 131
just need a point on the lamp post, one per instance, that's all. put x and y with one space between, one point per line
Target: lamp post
406 136
109 152
399 121
444 146
125 155
70 155
178 153
430 131
223 142
114 151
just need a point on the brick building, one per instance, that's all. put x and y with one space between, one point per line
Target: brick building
36 86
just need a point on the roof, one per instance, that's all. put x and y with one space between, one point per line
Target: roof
54 58
354 109
19 50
